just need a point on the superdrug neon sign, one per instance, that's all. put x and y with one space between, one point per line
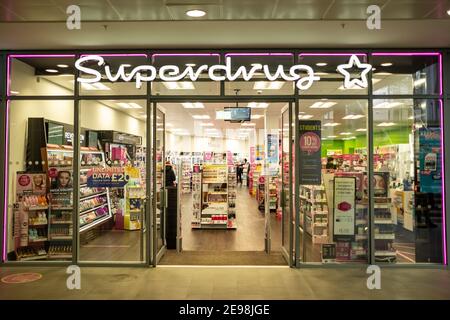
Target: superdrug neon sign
302 75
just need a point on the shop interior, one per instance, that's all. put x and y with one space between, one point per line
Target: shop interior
218 165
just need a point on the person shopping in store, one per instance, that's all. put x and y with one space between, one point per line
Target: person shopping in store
170 175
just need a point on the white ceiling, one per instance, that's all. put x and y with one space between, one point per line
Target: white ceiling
162 24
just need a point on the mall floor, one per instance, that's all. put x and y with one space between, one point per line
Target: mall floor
229 283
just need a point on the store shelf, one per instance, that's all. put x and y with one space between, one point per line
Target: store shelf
61 222
94 223
38 240
94 208
37 208
39 225
61 208
387 236
83 198
60 256
60 237
324 224
383 221
32 258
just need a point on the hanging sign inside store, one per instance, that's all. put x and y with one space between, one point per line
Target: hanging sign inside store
430 160
344 208
310 152
303 75
110 177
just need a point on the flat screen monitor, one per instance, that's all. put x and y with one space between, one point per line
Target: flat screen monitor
55 134
238 114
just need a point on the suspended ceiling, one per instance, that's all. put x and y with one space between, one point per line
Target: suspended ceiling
40 24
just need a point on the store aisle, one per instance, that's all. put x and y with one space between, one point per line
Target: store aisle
249 235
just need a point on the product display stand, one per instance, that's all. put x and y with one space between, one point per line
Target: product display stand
196 196
186 176
134 203
232 183
314 211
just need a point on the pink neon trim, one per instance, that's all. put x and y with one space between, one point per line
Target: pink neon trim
5 208
115 54
41 55
262 54
184 54
444 214
332 54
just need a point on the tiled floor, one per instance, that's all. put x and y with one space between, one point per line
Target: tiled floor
229 283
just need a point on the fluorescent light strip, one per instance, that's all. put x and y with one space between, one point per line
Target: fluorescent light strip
386 124
305 116
387 105
361 130
181 85
268 85
353 117
258 105
193 105
201 117
331 124
206 124
322 105
257 116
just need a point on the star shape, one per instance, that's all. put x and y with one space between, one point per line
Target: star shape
348 81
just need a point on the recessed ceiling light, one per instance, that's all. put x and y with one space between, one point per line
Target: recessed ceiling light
95 86
206 124
322 105
345 133
321 64
190 64
353 117
169 124
349 138
448 12
258 105
201 116
196 13
193 105
160 129
331 137
331 124
62 65
51 70
268 85
386 64
373 69
386 124
131 105
387 105
361 129
305 116
14 92
179 85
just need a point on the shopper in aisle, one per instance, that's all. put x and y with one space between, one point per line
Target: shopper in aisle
247 166
239 170
170 175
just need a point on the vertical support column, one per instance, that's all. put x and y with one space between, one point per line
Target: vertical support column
295 179
149 184
154 187
267 238
370 193
446 153
76 170
4 161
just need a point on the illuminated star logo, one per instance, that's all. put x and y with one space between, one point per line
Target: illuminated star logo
344 69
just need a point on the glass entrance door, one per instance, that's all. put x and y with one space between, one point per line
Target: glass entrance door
159 183
287 229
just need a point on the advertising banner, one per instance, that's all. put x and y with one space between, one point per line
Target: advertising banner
430 160
114 177
272 148
252 155
310 148
344 208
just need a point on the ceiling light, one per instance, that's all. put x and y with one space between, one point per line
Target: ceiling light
169 124
387 105
207 124
268 85
62 65
345 133
131 105
179 85
448 12
331 137
386 124
245 129
14 92
258 105
353 117
193 105
386 64
248 124
201 116
190 64
257 116
223 115
361 129
160 129
420 82
322 105
305 116
51 70
196 13
383 73
349 138
373 69
321 64
331 124
95 86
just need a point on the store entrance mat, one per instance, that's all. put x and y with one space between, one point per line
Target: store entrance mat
223 258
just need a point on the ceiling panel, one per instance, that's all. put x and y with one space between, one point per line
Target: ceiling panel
248 9
301 9
409 9
351 9
141 10
39 11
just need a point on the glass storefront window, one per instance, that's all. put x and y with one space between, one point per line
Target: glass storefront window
408 181
331 81
406 73
120 87
203 86
40 192
333 165
41 75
